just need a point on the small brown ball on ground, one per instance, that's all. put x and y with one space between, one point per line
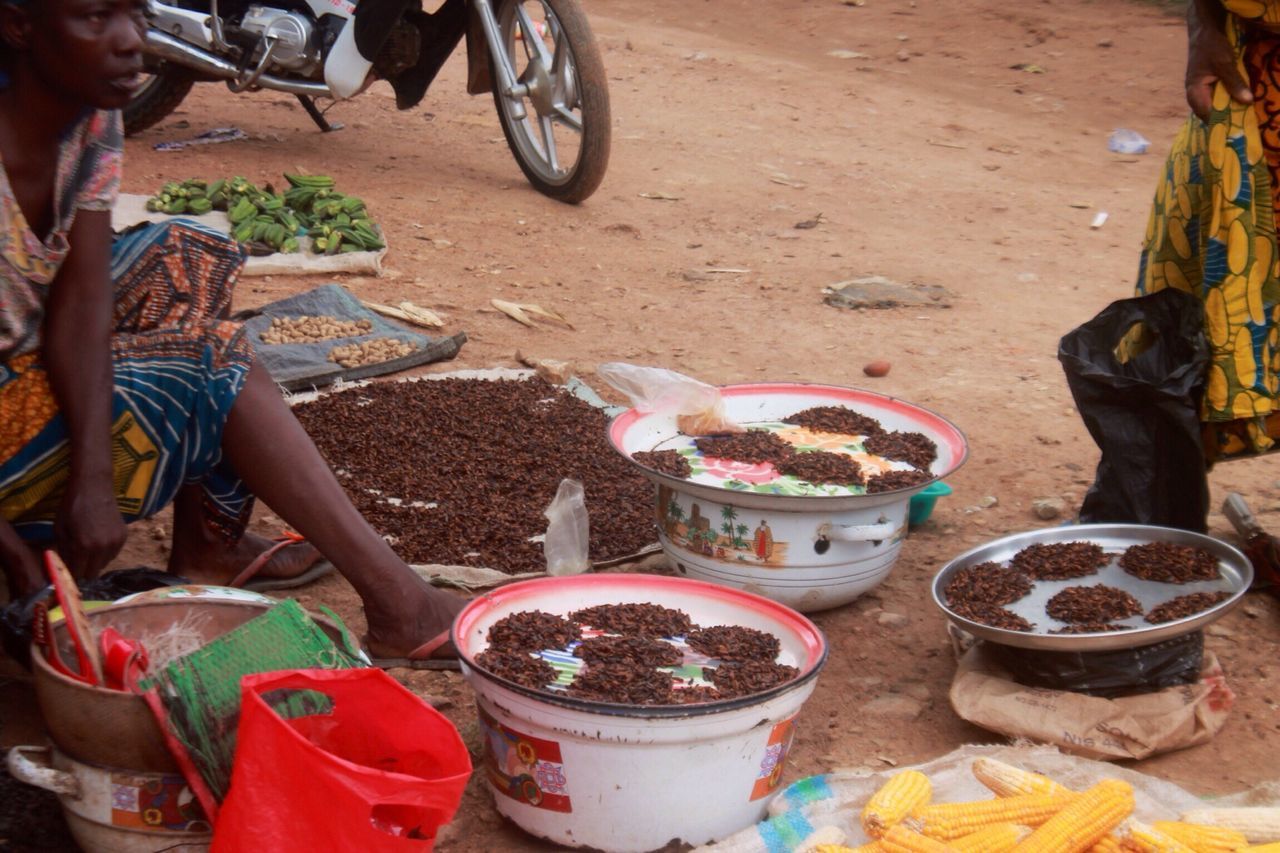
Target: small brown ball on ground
876 368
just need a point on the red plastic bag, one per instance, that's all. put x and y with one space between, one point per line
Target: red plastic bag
339 760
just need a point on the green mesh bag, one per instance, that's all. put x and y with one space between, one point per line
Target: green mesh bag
200 691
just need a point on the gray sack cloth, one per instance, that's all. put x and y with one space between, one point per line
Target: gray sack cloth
300 367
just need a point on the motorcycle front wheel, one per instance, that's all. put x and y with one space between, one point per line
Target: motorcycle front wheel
556 115
160 93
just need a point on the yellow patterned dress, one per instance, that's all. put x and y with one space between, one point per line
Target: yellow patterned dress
1212 233
177 366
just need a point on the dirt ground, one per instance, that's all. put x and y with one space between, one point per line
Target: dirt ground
930 158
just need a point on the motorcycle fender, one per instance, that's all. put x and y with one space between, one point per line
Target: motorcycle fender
479 80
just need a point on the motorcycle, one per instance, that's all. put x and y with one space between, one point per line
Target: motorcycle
538 58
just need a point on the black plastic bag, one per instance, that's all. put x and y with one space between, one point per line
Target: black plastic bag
1108 674
1144 412
16 617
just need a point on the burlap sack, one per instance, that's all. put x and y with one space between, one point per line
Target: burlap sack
1126 727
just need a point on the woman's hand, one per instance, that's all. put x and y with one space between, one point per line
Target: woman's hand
1210 58
88 530
21 564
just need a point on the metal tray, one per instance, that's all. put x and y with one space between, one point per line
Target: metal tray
1237 574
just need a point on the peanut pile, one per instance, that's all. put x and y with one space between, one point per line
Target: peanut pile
308 329
370 352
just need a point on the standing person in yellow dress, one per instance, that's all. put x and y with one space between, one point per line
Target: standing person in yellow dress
1212 230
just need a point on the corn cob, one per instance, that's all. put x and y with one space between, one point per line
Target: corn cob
999 838
1085 821
1274 847
900 796
948 821
1203 839
1259 824
900 839
1141 838
1110 844
1005 780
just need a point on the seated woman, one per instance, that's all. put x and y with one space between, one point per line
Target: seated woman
122 388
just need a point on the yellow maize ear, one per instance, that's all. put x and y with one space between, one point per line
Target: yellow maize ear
1259 824
900 839
948 821
1005 780
900 796
1203 839
1110 844
1140 838
1085 821
1000 838
1274 847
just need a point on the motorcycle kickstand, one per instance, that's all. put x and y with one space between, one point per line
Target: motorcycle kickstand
323 123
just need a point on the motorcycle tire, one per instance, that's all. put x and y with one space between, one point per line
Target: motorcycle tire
573 90
156 98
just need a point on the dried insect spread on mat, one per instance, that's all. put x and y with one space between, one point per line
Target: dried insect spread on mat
471 464
1060 560
626 683
819 466
533 631
631 650
743 679
520 667
991 614
751 447
987 583
629 664
641 620
1089 628
1098 603
914 448
1169 563
734 643
1185 605
892 480
670 462
836 419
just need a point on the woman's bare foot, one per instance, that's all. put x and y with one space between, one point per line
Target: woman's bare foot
403 618
214 562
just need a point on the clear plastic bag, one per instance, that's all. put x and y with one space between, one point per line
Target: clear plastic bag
567 539
698 407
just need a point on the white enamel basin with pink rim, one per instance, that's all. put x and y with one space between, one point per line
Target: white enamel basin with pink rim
747 526
626 778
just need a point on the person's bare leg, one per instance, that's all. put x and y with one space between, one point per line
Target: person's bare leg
202 556
277 460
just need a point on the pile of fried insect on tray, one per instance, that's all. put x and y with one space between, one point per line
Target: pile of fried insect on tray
312 208
878 449
1032 813
980 592
459 471
633 654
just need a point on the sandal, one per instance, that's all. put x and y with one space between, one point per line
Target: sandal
314 572
419 658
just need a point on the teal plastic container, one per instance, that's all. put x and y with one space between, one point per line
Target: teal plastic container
921 506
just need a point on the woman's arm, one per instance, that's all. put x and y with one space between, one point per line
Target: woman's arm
77 355
1210 58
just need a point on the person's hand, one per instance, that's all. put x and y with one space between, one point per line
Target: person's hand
88 529
1210 60
21 565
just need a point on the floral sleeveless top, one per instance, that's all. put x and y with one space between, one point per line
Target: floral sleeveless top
90 157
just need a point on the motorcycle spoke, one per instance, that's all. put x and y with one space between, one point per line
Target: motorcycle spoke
567 117
549 142
532 39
